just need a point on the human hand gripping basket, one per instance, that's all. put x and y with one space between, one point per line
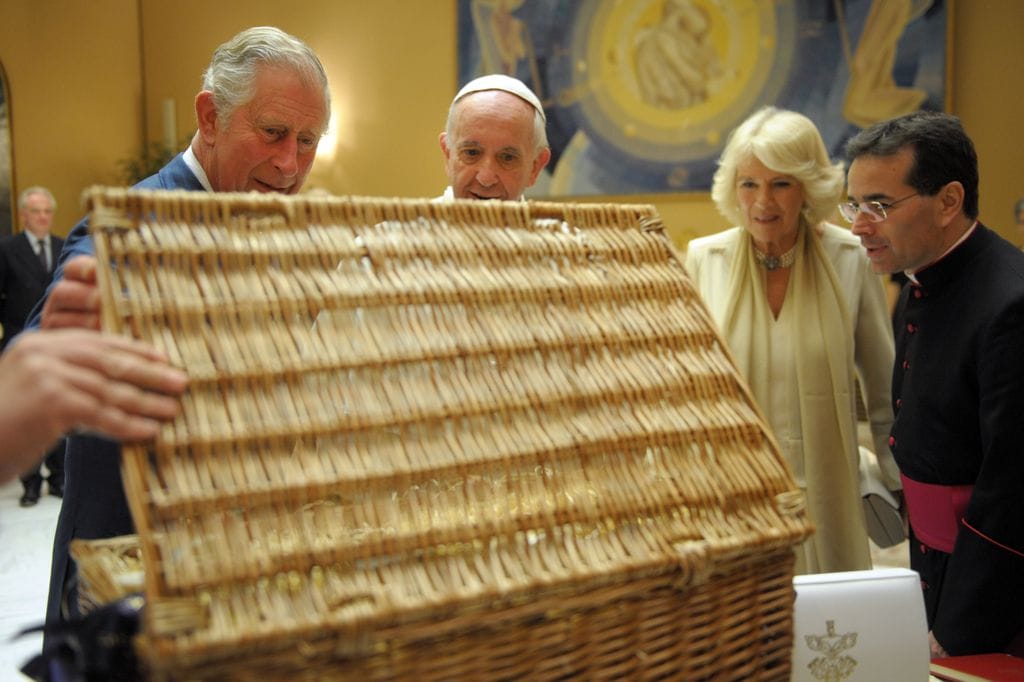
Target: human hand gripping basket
467 440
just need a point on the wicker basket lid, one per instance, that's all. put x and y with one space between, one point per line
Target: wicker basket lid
401 410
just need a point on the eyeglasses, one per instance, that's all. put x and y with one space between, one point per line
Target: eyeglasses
876 211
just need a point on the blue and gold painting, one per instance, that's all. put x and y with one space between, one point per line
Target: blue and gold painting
642 94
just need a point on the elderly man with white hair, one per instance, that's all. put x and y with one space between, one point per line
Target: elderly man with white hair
494 143
262 109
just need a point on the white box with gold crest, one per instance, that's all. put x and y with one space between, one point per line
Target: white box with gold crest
860 625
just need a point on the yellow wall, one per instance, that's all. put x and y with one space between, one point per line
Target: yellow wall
391 64
76 94
989 98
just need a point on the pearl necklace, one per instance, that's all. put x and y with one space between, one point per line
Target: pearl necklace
775 262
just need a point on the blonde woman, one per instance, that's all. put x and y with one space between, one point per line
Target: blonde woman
804 316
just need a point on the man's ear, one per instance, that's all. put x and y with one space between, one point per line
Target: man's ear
538 164
442 139
951 200
206 116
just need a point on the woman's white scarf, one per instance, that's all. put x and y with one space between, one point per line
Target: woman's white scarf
826 394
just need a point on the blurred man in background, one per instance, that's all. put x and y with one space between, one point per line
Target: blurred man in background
26 268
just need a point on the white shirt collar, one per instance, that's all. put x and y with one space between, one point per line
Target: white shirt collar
449 195
189 157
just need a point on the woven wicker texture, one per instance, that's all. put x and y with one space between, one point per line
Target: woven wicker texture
446 441
108 569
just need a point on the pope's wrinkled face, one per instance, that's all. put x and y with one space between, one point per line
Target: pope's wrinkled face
491 153
267 144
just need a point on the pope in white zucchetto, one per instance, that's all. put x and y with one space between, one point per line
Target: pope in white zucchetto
494 143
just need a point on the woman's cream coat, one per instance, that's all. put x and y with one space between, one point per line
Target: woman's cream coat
709 261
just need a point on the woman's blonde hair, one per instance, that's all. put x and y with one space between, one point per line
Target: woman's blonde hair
788 143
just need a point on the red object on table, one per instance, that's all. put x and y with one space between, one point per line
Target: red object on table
979 668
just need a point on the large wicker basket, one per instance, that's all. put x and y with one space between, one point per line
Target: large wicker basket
473 440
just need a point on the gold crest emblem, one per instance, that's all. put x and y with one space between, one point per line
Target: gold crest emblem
834 664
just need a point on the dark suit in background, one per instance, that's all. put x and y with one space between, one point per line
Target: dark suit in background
23 281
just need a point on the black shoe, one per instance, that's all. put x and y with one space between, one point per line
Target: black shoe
29 498
55 489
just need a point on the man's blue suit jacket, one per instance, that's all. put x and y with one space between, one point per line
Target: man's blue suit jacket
94 504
